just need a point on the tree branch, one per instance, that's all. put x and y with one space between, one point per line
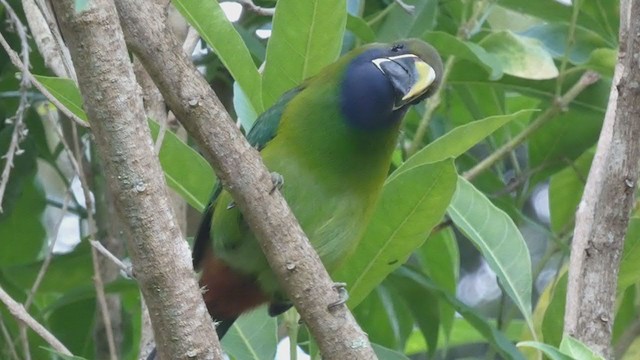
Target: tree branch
47 38
603 215
588 78
239 167
22 315
160 255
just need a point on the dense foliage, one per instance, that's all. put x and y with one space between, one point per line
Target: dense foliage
503 149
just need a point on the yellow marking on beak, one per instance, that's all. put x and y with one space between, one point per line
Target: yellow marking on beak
426 77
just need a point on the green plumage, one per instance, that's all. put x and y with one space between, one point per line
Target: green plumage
333 167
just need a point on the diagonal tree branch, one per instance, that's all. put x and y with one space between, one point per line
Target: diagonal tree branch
603 214
18 311
160 255
239 167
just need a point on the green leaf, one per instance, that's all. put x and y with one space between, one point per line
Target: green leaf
554 38
495 337
477 101
462 333
603 61
457 141
593 99
211 23
552 352
577 350
520 56
23 234
400 24
383 353
553 320
410 206
565 191
562 140
626 313
121 286
385 317
64 273
306 36
73 326
606 14
253 336
61 355
449 45
630 262
500 242
424 306
548 10
186 171
552 11
360 28
245 112
66 91
440 259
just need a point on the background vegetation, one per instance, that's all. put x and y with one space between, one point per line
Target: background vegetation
502 150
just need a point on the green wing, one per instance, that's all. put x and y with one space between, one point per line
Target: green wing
264 129
266 126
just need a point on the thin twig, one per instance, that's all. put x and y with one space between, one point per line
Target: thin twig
556 107
24 340
17 310
250 6
191 40
467 28
18 133
8 340
114 259
75 158
74 210
19 128
568 46
47 13
97 273
45 38
409 9
160 138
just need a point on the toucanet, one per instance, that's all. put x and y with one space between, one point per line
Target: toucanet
331 139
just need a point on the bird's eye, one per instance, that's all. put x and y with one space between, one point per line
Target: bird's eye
397 47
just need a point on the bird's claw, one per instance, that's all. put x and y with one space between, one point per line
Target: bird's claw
343 294
231 205
277 180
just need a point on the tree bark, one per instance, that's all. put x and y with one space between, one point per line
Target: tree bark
239 167
603 214
160 255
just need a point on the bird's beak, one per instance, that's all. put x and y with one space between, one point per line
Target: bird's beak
410 76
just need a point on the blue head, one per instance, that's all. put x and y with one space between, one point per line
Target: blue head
383 80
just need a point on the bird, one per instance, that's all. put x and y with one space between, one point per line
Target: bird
330 140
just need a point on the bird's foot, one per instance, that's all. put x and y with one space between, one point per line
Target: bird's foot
277 180
343 294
